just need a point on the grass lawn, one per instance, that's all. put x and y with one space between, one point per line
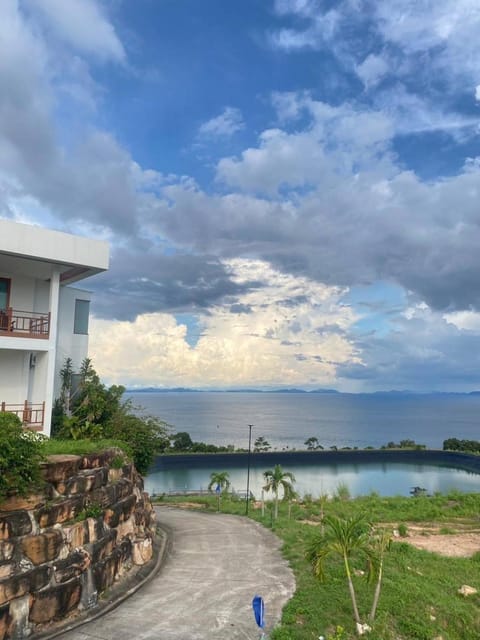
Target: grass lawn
419 597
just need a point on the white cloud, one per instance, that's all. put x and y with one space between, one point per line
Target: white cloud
464 320
372 70
83 25
477 93
225 125
291 331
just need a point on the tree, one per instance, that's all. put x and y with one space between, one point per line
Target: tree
276 479
346 538
219 479
66 373
182 441
97 412
381 541
261 445
312 444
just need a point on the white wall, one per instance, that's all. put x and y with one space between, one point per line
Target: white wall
69 344
14 369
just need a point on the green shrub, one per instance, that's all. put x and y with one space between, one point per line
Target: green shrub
20 457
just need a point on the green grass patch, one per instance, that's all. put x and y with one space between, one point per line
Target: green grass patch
419 598
53 446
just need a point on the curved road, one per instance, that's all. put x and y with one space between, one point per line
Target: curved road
213 567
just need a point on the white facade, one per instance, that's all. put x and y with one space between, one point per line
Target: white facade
42 319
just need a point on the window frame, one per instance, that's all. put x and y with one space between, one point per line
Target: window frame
79 319
9 284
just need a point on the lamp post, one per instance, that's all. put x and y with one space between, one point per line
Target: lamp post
248 466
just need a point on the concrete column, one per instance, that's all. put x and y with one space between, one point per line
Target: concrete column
52 348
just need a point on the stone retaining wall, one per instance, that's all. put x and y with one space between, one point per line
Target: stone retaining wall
61 550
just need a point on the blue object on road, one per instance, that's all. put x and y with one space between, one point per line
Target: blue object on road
259 611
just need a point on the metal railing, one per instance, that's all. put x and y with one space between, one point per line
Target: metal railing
24 324
31 415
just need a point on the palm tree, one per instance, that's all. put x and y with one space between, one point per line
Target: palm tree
381 541
219 479
276 478
344 538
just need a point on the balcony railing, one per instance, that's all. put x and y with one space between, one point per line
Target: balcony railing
24 324
31 415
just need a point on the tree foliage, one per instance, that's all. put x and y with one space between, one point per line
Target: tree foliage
454 444
261 445
349 538
20 457
219 479
313 444
95 411
276 479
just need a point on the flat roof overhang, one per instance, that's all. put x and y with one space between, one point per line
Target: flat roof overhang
37 252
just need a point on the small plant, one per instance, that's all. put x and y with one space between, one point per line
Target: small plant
93 510
342 492
118 462
402 530
338 634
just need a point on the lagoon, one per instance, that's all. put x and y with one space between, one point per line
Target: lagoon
317 474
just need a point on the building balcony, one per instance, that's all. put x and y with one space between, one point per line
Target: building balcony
31 415
24 324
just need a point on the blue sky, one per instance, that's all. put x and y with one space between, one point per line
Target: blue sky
290 188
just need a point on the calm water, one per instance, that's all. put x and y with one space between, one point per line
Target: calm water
287 420
394 479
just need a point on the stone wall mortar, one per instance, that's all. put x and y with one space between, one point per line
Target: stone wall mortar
60 550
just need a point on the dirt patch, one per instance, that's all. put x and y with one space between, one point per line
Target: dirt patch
460 545
427 536
181 505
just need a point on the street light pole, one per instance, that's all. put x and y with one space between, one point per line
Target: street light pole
248 466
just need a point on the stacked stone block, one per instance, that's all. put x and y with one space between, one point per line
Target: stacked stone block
59 551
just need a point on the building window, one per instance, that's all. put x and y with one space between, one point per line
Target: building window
80 324
4 293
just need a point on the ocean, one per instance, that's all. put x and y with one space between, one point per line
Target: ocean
286 420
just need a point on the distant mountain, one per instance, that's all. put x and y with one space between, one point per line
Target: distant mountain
391 392
163 390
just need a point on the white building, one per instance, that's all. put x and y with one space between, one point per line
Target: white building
43 320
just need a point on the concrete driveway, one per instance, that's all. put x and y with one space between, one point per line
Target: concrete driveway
213 567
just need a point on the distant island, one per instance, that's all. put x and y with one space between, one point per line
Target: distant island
391 392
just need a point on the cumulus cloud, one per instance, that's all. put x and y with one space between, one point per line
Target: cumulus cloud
256 348
340 210
224 125
82 25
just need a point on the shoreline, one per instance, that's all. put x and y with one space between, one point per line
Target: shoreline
435 457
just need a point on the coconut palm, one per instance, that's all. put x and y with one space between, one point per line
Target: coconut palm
277 478
219 479
344 538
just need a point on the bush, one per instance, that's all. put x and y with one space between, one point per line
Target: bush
20 457
146 436
95 412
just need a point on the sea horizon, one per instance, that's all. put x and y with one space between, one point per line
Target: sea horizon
286 420
399 392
